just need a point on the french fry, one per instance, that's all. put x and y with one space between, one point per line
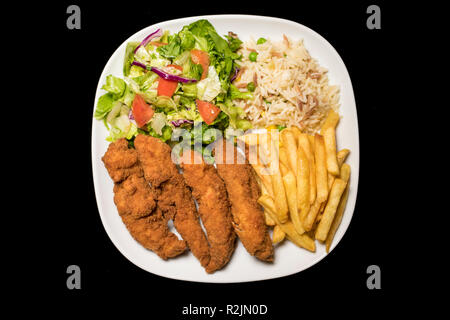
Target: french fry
269 206
340 210
290 145
331 120
296 131
341 156
268 219
264 177
263 187
321 168
311 141
278 190
291 193
322 207
336 192
345 172
283 156
280 197
278 234
311 217
329 137
303 183
302 241
303 142
250 139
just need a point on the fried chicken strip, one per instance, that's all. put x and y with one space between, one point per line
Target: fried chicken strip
135 202
213 206
173 196
243 192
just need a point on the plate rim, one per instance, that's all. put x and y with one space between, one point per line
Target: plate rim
350 207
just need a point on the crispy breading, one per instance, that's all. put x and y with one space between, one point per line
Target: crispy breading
136 204
213 206
243 192
173 196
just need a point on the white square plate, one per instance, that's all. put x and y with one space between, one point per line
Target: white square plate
289 259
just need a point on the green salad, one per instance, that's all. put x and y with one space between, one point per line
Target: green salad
175 81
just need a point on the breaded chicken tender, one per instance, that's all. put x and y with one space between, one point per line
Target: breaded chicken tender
135 201
173 196
243 192
213 206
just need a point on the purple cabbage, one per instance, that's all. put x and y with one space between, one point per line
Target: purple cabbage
236 71
137 63
171 77
147 39
179 122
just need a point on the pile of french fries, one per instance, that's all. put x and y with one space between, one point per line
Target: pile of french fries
304 182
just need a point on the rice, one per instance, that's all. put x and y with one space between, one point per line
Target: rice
291 87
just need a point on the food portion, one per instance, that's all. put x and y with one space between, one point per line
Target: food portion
172 81
136 204
173 196
181 85
289 87
208 189
243 191
305 174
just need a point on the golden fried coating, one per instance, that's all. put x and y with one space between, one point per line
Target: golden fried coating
173 196
243 192
213 206
135 202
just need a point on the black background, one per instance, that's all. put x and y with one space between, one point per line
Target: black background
71 231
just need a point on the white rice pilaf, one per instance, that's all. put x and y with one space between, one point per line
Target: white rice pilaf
291 87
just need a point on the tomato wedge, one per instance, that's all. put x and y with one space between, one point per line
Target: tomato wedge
167 87
176 66
208 111
202 58
142 112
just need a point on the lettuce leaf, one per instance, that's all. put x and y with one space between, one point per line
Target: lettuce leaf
236 94
115 86
104 106
234 43
173 49
129 57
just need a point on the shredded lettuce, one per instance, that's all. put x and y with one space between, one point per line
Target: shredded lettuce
114 85
210 87
190 114
104 106
236 94
158 121
192 70
129 57
114 105
173 49
189 90
236 115
234 43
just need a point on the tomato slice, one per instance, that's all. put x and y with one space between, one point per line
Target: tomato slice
176 66
208 111
167 87
142 112
202 58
